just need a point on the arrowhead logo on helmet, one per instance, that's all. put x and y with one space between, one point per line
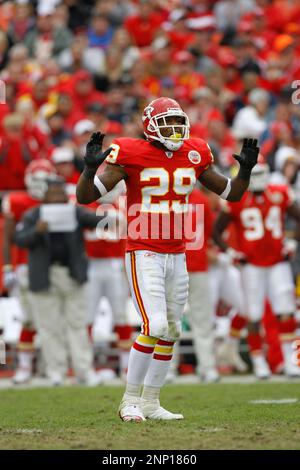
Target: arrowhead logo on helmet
165 121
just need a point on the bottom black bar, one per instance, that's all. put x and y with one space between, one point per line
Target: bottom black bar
138 458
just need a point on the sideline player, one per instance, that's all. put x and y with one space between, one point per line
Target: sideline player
15 269
259 222
160 173
106 274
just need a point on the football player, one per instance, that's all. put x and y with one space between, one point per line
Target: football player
160 173
259 222
106 273
15 275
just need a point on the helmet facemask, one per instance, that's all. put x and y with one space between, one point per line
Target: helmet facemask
37 184
177 132
259 178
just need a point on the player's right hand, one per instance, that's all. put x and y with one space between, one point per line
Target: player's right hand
93 155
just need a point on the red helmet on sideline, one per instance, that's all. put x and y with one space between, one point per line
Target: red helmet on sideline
36 175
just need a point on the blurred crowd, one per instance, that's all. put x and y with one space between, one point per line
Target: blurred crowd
70 67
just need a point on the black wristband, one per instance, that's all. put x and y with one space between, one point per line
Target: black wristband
244 173
89 173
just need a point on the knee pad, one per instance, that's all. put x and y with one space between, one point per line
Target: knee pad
158 327
174 331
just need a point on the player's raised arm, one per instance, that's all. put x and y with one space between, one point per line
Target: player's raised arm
90 187
233 189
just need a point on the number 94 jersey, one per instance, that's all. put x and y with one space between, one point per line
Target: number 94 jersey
158 186
259 224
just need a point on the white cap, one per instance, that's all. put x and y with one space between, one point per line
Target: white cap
85 125
62 155
283 154
45 8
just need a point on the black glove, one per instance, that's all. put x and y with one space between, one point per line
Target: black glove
248 156
93 155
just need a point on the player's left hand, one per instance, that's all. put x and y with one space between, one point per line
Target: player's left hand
236 257
249 153
94 156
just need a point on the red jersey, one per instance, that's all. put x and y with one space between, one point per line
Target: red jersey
14 205
158 186
197 259
102 244
259 224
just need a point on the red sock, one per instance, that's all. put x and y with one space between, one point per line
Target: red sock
26 339
124 333
287 329
274 354
238 323
255 343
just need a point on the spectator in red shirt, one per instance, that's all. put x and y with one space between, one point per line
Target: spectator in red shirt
143 26
15 152
66 107
84 91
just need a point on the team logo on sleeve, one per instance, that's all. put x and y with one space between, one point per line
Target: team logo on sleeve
194 156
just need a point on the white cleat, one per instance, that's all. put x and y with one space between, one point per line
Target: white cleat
153 410
290 369
131 411
56 379
260 367
22 376
210 376
91 379
228 351
171 377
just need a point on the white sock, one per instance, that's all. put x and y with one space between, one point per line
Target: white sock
160 364
140 358
25 359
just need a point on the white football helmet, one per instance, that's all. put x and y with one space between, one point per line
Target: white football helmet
36 175
259 178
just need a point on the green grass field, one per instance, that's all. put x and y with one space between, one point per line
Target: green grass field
216 417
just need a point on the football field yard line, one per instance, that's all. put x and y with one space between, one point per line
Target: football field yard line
217 416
